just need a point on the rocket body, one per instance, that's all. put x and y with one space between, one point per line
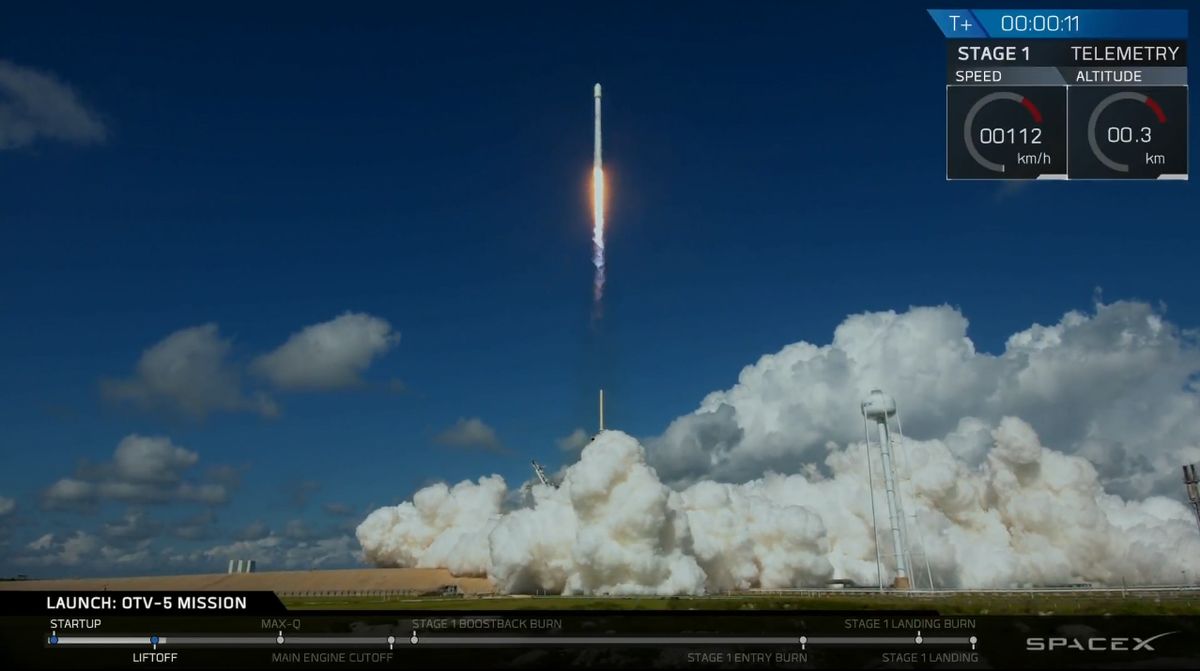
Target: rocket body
598 181
596 161
597 209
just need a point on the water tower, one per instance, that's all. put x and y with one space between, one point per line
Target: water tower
881 409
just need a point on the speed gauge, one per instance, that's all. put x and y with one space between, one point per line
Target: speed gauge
1010 133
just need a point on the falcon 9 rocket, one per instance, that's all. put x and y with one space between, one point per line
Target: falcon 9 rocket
597 212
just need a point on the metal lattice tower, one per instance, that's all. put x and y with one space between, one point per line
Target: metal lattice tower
541 474
1193 489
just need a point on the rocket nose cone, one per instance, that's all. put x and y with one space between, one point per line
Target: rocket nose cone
597 90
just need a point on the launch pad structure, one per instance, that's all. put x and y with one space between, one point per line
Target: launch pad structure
540 472
1193 489
880 408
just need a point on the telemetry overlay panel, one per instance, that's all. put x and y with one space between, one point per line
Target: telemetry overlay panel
1065 94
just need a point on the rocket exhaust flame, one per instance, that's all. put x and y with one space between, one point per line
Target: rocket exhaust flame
598 231
597 214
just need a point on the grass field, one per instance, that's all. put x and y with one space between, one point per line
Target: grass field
958 604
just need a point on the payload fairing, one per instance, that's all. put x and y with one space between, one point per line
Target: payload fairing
596 160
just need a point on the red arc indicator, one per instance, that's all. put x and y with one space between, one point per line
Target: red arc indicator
1156 108
1037 113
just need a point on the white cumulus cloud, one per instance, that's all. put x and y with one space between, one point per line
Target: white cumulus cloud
188 372
470 433
144 469
37 105
84 552
72 550
574 441
329 355
135 525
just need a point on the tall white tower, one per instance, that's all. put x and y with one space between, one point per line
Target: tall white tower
881 408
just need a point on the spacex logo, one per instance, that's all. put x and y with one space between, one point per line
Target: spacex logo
1098 644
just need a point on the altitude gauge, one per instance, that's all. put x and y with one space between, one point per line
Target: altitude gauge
1128 133
1006 133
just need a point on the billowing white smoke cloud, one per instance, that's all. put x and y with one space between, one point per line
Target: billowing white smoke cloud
1026 515
1118 387
609 527
987 504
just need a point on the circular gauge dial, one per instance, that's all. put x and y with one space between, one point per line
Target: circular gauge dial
1012 133
1128 133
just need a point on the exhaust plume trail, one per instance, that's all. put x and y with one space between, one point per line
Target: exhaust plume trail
597 214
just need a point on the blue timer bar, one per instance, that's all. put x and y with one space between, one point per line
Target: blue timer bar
1112 24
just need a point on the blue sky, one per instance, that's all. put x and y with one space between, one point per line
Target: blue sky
267 169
